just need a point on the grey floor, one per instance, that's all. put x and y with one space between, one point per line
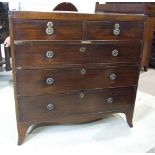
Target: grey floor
109 135
147 82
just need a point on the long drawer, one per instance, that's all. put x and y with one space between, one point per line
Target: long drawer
48 81
48 29
77 103
108 30
47 53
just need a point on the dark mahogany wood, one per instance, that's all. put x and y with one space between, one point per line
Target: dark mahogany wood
64 79
72 30
75 16
75 104
64 53
146 8
87 84
36 30
23 127
104 29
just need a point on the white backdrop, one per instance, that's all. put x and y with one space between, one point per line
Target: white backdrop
87 6
46 5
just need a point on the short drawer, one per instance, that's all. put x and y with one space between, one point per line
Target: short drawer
49 81
44 54
47 30
108 30
77 103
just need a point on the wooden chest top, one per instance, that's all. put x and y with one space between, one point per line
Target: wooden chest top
76 16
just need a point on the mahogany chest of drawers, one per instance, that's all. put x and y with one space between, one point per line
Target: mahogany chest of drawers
72 67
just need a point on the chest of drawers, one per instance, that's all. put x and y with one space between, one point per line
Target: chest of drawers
72 67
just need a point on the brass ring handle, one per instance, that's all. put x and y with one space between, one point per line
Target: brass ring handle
49 30
116 30
109 100
82 95
50 81
83 71
112 77
49 24
82 49
50 107
49 54
115 53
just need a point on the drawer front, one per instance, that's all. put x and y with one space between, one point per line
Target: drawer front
43 54
49 106
107 30
37 82
47 30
